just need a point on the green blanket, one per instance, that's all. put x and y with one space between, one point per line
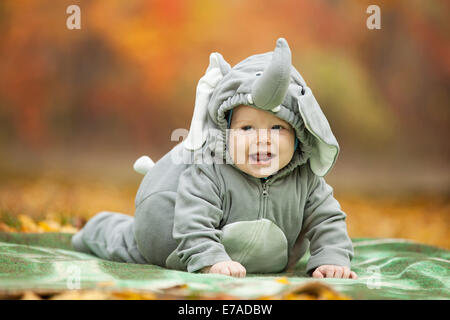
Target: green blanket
387 269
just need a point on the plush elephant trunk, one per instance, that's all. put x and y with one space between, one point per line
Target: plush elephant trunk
270 89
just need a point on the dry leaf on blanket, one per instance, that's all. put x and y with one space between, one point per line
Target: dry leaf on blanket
312 290
81 295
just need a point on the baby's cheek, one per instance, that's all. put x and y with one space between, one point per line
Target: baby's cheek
239 147
286 154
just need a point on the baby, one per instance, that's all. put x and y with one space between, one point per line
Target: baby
244 192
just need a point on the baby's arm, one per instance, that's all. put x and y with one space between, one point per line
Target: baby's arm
198 212
324 223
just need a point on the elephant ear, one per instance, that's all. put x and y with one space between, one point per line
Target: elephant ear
325 146
198 131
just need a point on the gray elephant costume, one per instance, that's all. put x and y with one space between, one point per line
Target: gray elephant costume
195 208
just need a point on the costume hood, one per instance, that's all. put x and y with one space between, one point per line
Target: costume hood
269 82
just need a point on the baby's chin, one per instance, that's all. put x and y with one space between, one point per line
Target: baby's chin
261 172
260 176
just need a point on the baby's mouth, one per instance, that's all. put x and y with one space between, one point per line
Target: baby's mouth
261 157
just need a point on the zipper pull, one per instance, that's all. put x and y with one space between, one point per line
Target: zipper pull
265 192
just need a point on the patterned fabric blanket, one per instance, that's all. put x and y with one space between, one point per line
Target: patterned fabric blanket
387 269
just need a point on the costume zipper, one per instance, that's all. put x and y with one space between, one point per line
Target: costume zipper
256 234
265 195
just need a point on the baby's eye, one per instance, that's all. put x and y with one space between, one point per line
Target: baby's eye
246 128
277 127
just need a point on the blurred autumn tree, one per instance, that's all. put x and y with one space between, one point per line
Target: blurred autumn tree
118 87
128 77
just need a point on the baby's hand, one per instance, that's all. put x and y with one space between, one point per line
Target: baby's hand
229 268
331 271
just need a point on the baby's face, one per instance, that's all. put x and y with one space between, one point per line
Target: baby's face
260 142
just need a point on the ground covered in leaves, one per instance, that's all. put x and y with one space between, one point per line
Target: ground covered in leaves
313 290
50 202
55 203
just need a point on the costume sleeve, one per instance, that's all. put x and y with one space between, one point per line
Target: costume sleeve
198 212
325 228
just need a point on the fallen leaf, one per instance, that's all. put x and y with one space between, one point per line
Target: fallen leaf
312 290
134 295
282 280
81 295
5 228
28 225
49 226
30 295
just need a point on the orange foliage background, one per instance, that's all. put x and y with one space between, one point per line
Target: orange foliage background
77 107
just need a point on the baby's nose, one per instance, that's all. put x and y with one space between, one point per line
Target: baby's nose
264 136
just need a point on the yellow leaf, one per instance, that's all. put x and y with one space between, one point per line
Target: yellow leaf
30 295
283 280
312 290
292 296
133 295
49 226
81 295
27 224
6 228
